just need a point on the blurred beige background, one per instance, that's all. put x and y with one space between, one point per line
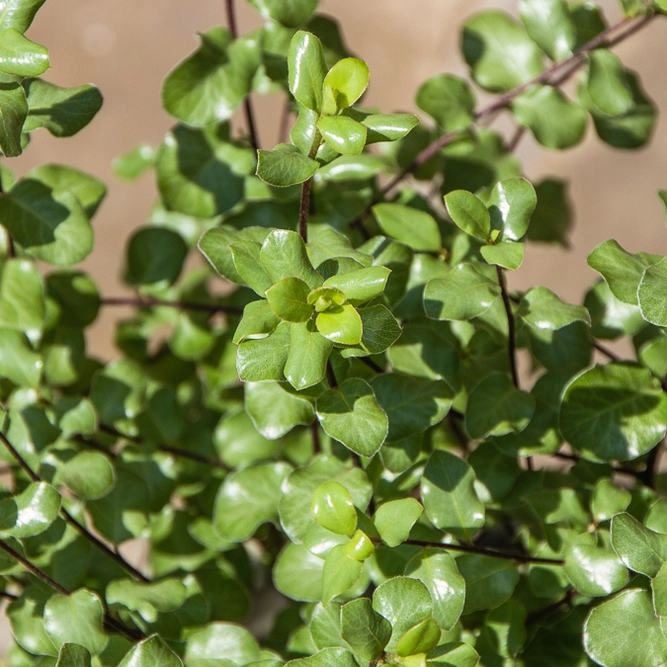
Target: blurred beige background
126 47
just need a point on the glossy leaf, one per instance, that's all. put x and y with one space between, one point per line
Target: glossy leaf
263 359
449 496
507 255
593 571
20 56
499 52
297 573
468 213
341 324
339 574
512 203
306 70
462 294
361 285
394 520
284 255
248 498
489 581
415 228
388 127
640 549
285 165
351 415
291 13
207 645
245 255
419 639
549 24
365 631
89 475
13 113
615 628
18 14
288 299
62 111
616 411
333 508
608 500
151 651
19 363
21 297
344 84
30 512
328 657
309 351
542 309
76 619
454 654
343 134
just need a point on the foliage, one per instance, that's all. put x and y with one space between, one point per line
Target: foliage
345 429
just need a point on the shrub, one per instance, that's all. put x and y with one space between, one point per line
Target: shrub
342 440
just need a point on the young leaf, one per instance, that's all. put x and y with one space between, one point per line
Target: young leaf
333 508
380 332
499 52
306 70
388 127
419 639
468 212
361 285
21 57
613 412
292 13
343 134
507 255
415 228
341 324
449 495
394 520
340 573
351 415
288 299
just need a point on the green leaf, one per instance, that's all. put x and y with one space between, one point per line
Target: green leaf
613 412
462 294
21 297
542 309
555 121
87 474
453 654
437 570
284 255
507 255
511 205
328 657
190 165
366 632
275 410
27 625
412 404
155 255
18 14
606 83
298 573
307 70
593 571
615 629
659 591
552 218
506 627
73 655
76 619
496 407
351 415
340 573
30 512
258 318
21 57
147 599
420 639
388 127
89 190
333 508
258 360
309 351
499 52
13 113
640 549
61 111
651 287
245 255
449 496
549 24
449 100
50 225
149 652
343 134
341 324
621 270
221 641
394 520
247 499
404 602
19 363
129 166
285 165
415 228
609 499
380 331
212 82
344 84
361 285
291 13
288 299
468 213
489 581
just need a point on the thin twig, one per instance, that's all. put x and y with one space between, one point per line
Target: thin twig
315 435
247 104
511 343
485 551
304 208
512 144
605 350
371 364
570 66
33 569
70 519
141 302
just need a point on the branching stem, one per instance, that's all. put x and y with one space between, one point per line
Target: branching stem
511 342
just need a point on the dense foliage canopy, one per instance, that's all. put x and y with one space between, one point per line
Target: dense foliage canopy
325 421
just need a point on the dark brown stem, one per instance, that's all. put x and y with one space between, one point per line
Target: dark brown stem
247 104
519 133
559 71
605 350
511 343
304 208
622 469
331 376
140 302
484 551
315 435
371 364
33 569
70 519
